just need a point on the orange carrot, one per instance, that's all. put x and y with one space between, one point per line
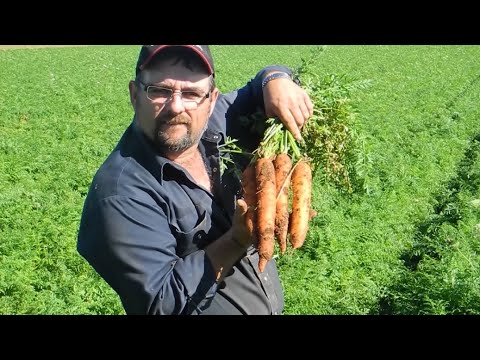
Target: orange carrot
249 185
301 202
283 165
266 208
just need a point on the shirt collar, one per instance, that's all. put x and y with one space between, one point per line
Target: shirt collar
210 135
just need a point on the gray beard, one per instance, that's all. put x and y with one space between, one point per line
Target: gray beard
164 144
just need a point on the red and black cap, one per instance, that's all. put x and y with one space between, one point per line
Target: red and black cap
148 52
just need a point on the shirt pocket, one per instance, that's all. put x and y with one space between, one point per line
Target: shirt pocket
191 232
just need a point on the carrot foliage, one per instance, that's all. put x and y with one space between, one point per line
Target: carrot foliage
330 138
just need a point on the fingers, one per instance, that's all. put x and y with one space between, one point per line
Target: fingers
290 103
305 113
305 107
294 118
299 113
290 122
309 105
241 232
292 115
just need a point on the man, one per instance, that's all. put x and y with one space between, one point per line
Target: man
161 223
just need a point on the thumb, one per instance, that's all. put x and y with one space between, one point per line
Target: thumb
241 207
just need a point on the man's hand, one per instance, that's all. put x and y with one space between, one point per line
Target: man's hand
240 232
232 245
284 99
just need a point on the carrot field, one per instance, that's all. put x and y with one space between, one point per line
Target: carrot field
404 241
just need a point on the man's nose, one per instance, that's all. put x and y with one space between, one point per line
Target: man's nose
176 103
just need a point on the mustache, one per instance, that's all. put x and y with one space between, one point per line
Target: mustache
177 120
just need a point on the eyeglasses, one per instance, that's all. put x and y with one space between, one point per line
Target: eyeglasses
161 95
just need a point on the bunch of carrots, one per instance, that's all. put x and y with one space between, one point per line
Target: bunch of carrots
277 183
277 187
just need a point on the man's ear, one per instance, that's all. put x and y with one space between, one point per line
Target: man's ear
213 96
132 88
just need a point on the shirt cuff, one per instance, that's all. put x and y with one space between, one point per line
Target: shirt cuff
275 75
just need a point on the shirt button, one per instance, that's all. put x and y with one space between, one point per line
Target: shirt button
214 169
265 278
275 313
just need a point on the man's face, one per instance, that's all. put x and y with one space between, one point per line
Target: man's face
173 123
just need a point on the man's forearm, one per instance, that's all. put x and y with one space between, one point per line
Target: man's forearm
224 253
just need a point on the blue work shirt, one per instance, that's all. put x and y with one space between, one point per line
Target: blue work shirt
145 223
